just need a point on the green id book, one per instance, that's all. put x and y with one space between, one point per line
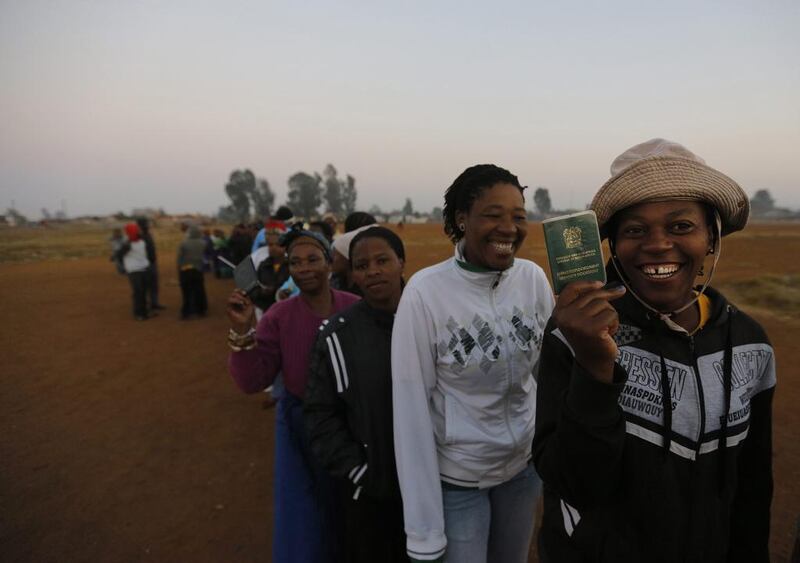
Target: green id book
574 249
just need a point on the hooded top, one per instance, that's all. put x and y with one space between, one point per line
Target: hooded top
672 461
192 250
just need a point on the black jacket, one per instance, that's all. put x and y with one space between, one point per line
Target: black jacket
150 247
627 480
348 401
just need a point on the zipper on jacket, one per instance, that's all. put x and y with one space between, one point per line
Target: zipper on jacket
509 368
700 399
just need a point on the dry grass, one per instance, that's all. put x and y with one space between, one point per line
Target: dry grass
72 241
778 294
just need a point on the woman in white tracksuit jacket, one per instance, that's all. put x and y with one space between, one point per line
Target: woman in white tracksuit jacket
465 345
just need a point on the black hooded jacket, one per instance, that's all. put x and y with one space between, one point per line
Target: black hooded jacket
628 480
348 401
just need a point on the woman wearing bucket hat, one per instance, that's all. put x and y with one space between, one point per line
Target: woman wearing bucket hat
653 429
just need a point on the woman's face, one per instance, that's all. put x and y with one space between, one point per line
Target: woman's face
661 247
276 251
378 271
495 227
308 268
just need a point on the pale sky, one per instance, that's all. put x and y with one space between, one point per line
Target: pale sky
110 105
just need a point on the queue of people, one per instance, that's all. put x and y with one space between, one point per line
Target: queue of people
423 421
201 251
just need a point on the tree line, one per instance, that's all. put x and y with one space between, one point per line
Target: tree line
252 198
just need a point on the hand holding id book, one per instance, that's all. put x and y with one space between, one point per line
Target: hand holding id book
574 249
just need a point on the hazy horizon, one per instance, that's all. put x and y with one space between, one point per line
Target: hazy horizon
138 104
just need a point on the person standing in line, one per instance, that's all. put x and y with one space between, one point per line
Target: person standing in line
152 271
340 266
341 273
134 259
282 215
306 504
324 228
348 406
272 271
117 240
333 222
654 422
358 219
220 248
239 243
271 267
191 254
465 344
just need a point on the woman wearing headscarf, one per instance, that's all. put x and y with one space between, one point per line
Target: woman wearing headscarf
136 264
348 406
653 431
466 341
305 500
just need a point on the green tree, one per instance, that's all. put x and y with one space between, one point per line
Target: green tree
263 198
541 199
408 208
15 217
227 214
305 194
333 190
762 202
240 187
436 214
349 195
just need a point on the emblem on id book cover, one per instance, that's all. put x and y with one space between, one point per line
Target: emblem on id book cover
572 237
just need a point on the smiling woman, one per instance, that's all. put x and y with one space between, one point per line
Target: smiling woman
348 406
465 344
654 415
306 501
661 248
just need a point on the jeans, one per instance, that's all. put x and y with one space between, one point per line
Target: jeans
492 525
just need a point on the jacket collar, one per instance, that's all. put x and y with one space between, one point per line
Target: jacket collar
383 319
478 274
635 312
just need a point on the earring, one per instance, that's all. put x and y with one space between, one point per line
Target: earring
711 250
462 227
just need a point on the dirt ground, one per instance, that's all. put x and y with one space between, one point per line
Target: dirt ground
126 441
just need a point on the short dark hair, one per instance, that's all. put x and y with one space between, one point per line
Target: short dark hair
469 185
391 238
325 227
358 219
283 213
